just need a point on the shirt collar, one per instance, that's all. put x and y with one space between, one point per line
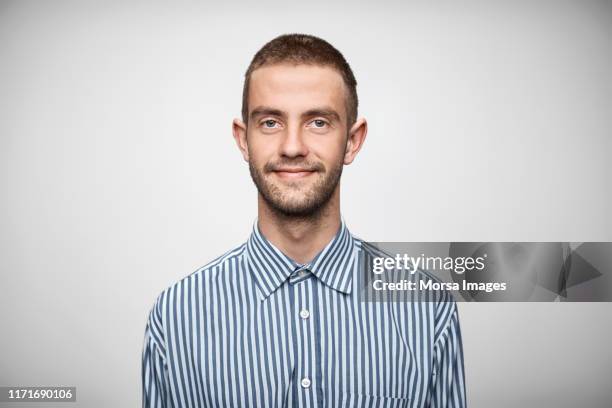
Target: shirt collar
270 267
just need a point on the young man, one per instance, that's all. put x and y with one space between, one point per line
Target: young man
279 321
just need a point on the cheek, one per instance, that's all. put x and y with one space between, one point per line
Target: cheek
261 150
329 151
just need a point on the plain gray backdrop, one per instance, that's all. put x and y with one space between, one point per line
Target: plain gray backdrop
489 121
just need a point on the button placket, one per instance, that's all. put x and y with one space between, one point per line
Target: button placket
306 368
298 274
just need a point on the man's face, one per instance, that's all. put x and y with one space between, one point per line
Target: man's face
296 135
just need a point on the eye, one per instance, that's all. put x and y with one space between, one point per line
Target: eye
319 123
269 123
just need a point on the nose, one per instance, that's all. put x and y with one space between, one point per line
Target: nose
293 144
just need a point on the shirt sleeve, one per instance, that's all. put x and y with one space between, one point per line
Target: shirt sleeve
154 367
447 388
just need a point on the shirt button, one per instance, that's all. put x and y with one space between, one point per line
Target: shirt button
304 314
305 382
302 273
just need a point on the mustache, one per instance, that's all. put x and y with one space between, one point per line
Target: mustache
299 164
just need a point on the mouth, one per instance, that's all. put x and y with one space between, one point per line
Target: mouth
289 173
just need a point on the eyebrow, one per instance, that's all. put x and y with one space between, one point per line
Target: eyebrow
264 110
324 111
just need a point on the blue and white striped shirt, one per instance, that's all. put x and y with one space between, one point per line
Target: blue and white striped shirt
253 328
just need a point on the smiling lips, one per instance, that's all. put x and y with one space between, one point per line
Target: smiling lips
290 173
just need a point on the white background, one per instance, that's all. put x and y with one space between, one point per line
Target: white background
489 121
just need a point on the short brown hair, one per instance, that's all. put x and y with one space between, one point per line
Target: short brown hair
303 49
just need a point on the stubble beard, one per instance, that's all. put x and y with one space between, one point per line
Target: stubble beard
307 204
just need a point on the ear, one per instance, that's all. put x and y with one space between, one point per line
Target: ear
239 130
356 137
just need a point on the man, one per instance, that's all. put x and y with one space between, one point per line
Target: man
279 321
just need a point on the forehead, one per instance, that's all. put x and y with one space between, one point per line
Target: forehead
301 87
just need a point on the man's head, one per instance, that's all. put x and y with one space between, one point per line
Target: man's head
299 123
298 49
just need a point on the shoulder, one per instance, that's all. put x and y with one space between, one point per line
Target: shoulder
432 287
371 250
180 290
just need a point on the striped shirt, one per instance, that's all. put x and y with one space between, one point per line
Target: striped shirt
253 328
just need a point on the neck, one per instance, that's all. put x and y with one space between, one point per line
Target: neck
300 237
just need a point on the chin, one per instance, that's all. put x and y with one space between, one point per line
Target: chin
296 208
